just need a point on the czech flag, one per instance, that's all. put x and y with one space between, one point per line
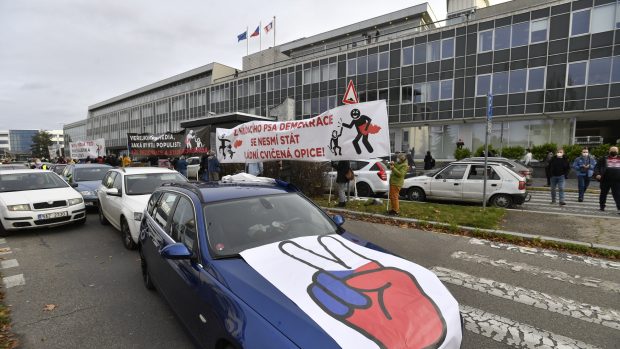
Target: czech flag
269 26
242 36
256 32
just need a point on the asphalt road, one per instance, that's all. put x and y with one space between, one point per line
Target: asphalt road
510 297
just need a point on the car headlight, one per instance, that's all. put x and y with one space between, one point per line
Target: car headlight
22 207
87 193
75 201
137 216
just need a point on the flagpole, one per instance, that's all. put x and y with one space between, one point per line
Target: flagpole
274 32
260 35
247 41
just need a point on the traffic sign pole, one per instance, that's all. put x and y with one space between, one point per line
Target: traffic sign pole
486 148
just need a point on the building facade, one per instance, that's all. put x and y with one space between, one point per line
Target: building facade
5 145
21 141
553 68
74 132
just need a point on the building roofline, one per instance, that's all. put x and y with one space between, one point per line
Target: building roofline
420 9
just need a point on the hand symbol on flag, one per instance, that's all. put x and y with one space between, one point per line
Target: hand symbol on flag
385 304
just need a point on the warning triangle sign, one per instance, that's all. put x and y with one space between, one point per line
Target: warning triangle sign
350 97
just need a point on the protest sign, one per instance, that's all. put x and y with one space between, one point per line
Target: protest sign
191 141
84 149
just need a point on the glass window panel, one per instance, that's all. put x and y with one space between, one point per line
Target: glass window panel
333 71
539 30
576 74
316 75
284 81
276 81
315 106
351 67
407 94
483 85
433 51
383 94
323 104
371 95
306 107
325 73
361 65
520 34
446 89
618 16
580 23
502 38
291 79
615 77
372 63
536 79
332 102
419 54
384 60
419 93
447 48
433 90
408 55
500 83
270 84
307 77
485 41
599 71
603 18
517 80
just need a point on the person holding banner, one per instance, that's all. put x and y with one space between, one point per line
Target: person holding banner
397 178
343 175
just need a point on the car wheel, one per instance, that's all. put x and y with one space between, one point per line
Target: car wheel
363 189
501 200
146 276
3 232
102 218
416 194
126 235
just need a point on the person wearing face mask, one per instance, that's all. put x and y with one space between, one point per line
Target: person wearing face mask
607 171
584 166
558 169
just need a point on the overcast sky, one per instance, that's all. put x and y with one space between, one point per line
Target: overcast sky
57 57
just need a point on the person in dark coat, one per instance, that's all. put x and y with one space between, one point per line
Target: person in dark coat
182 166
558 168
342 168
428 161
607 171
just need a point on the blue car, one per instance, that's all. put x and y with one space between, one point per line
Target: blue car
207 248
86 178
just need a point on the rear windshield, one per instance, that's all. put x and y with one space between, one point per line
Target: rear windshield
30 181
90 174
145 183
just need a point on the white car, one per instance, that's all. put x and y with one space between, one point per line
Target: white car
124 193
370 177
464 180
36 198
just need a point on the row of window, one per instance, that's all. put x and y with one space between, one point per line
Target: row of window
593 72
595 20
515 81
518 34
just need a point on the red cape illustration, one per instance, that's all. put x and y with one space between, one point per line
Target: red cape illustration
372 129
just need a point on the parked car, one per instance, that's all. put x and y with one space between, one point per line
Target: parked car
86 178
463 181
58 168
35 198
194 250
517 167
370 177
14 166
123 194
193 165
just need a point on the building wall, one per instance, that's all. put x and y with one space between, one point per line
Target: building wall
75 132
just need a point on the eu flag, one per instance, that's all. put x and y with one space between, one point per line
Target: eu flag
242 36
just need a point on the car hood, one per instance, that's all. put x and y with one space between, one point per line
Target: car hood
88 185
136 203
417 179
28 196
259 294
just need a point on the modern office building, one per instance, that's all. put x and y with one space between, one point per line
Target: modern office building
553 68
21 141
74 132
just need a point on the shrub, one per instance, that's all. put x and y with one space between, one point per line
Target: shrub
572 151
480 150
600 151
539 152
462 153
514 153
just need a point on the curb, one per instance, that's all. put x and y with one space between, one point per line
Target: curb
472 229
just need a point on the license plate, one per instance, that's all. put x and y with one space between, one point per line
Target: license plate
53 215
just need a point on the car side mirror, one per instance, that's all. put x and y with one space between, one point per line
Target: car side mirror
338 219
176 251
74 185
112 192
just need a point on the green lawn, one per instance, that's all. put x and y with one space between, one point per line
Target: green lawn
467 215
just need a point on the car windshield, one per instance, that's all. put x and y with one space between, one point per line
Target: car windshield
30 181
90 174
266 219
145 183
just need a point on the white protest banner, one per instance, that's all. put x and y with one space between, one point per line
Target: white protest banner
361 297
84 149
356 131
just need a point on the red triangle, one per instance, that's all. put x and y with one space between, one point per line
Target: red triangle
350 97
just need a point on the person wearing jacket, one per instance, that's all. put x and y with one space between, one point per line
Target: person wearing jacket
558 169
607 171
342 168
213 167
181 166
584 166
397 178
